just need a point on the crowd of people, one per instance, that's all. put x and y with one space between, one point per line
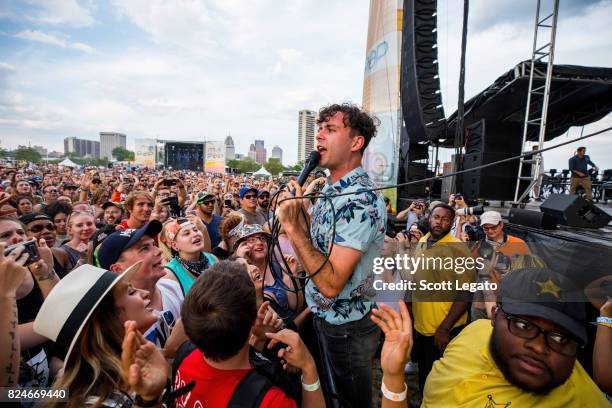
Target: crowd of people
136 287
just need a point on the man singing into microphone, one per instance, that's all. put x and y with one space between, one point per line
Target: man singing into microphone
340 290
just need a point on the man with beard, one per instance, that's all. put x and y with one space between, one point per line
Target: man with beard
525 356
205 208
438 316
123 249
113 213
263 204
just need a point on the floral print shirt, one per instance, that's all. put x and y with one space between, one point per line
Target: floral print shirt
360 224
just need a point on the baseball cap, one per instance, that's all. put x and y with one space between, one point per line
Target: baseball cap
490 217
203 196
245 190
110 250
262 192
543 293
112 204
28 218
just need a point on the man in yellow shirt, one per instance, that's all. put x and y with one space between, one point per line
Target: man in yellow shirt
439 315
524 357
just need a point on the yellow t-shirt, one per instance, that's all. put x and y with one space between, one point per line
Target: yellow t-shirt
429 315
467 377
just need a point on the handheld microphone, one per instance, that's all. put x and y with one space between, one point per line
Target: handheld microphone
309 165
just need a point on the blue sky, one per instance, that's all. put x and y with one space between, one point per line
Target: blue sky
199 69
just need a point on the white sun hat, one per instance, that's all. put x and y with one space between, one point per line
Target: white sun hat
71 302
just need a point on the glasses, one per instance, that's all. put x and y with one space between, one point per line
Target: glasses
249 197
208 202
52 190
38 228
254 240
558 342
485 228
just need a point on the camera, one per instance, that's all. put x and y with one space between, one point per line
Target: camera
476 210
228 203
169 182
29 247
475 233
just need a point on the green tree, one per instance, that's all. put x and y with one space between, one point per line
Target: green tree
274 166
298 166
28 154
122 154
244 166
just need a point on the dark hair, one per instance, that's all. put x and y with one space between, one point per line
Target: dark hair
581 148
446 207
57 207
220 309
361 123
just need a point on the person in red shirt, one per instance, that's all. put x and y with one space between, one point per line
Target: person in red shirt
219 316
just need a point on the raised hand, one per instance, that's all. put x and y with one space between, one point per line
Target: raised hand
397 328
144 367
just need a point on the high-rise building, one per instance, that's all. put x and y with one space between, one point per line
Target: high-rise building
109 141
252 152
230 150
306 133
82 147
260 152
277 153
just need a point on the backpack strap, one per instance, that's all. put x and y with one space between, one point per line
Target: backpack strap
181 354
179 273
251 391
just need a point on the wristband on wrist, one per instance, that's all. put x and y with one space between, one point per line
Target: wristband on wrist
604 321
310 387
394 396
138 400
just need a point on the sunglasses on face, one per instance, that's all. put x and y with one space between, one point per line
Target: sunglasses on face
52 190
254 240
249 197
38 228
208 202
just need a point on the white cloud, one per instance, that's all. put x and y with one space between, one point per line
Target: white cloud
7 67
82 47
38 36
61 12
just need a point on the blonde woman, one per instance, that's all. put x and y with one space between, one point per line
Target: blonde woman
81 226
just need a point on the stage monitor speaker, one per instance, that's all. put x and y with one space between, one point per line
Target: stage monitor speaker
530 218
575 211
420 92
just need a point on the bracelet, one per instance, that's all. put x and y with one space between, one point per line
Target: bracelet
394 396
603 319
310 387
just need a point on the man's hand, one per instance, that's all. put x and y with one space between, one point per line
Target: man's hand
441 338
296 353
289 208
144 367
397 328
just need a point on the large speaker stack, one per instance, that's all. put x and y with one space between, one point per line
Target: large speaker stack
486 142
421 99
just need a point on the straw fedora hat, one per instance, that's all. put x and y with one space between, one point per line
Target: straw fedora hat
69 305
